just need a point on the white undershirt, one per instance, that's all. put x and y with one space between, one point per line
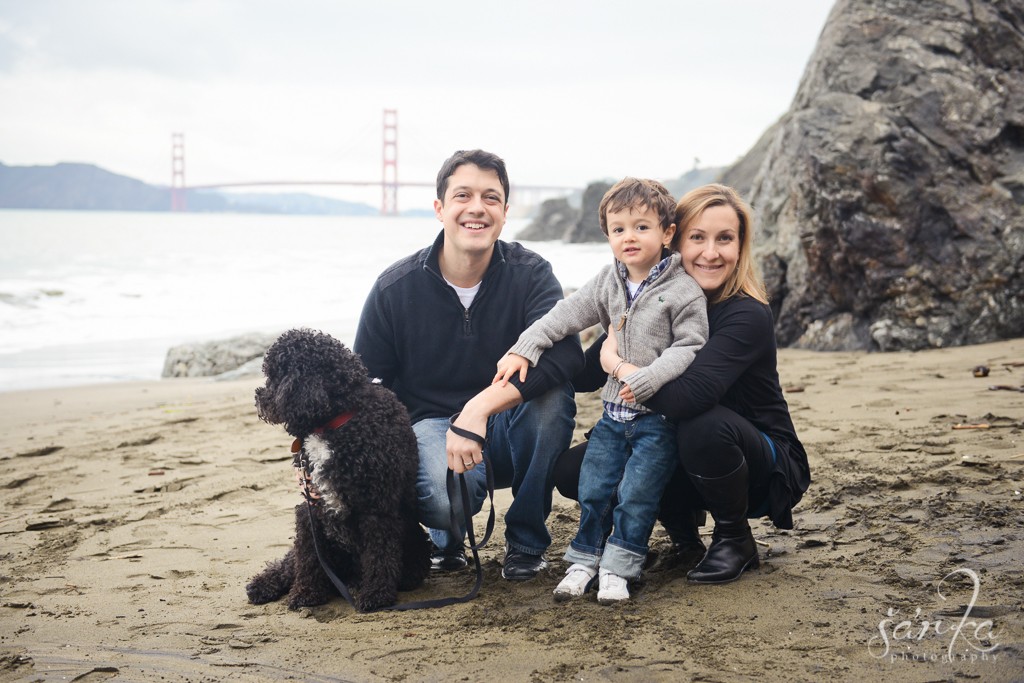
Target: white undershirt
466 294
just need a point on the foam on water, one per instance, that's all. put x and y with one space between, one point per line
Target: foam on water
100 296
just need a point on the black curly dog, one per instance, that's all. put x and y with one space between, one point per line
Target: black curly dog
364 471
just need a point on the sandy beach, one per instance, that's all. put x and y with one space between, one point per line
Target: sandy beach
133 515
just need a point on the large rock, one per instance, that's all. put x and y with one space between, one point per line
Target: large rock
889 197
554 219
588 225
207 359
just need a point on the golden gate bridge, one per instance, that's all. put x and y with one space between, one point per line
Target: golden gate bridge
389 182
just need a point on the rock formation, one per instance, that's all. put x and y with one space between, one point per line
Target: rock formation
207 359
588 225
889 197
554 219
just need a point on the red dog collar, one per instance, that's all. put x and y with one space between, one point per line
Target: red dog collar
336 423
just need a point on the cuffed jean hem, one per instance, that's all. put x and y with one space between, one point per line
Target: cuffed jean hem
587 559
622 562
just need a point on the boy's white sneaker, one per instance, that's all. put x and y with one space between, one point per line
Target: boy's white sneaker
578 580
611 588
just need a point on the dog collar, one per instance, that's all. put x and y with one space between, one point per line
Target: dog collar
336 423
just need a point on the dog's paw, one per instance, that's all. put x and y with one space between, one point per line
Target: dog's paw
262 590
257 596
273 582
409 582
299 599
369 601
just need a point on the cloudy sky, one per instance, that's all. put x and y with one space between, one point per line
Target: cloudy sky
566 91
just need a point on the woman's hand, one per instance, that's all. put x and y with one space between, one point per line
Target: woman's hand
617 366
610 352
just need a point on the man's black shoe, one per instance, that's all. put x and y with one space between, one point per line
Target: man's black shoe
520 566
447 560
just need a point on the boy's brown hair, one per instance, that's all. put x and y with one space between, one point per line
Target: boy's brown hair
640 193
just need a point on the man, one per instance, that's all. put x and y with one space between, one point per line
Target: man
433 327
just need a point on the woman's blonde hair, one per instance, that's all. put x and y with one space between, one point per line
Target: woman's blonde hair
744 279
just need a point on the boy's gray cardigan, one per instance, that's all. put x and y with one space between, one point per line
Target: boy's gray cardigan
664 329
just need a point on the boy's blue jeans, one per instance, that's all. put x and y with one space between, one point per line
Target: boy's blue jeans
630 462
523 444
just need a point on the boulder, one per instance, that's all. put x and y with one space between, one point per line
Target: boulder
889 197
207 359
252 368
554 219
588 225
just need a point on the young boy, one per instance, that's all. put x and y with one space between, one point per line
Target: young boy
659 315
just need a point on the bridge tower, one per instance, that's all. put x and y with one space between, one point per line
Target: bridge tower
178 172
389 179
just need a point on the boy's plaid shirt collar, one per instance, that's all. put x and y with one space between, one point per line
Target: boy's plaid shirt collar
652 275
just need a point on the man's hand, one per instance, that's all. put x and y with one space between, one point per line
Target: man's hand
465 454
509 365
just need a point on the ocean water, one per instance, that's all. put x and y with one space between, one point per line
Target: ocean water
91 297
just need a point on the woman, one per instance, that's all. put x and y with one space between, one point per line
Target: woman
739 455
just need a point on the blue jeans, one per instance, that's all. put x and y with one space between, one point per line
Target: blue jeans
523 444
631 461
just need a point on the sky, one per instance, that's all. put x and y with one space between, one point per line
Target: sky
566 92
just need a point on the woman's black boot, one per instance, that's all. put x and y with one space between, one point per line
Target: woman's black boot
681 513
683 530
732 549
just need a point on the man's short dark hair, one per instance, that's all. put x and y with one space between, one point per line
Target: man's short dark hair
478 158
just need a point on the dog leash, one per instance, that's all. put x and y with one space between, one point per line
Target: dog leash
311 501
467 513
449 483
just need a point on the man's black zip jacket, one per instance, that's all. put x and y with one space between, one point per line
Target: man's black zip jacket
415 335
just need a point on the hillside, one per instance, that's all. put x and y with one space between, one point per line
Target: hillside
85 187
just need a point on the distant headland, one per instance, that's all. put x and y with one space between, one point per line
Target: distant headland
86 187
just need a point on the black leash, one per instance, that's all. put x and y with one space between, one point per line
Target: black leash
467 514
450 484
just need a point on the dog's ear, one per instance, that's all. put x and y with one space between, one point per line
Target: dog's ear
302 404
265 406
285 400
348 371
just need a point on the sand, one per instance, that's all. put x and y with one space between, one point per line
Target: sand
133 515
